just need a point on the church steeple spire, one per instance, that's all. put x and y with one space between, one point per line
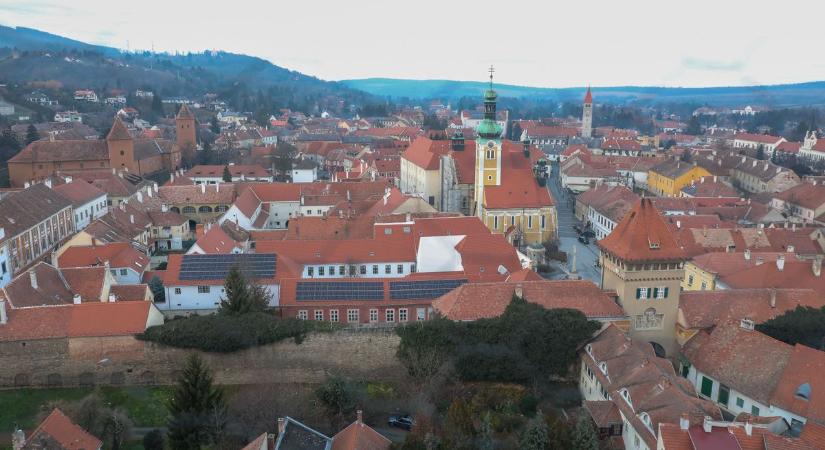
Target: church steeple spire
489 128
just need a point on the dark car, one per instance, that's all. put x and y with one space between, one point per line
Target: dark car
583 239
577 228
589 234
403 421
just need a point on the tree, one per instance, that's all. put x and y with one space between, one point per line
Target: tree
458 425
153 440
157 105
215 126
336 398
158 291
111 425
694 127
803 325
535 435
227 175
282 157
686 156
760 152
197 408
485 433
584 436
243 296
31 134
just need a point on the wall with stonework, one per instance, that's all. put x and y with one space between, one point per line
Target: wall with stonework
366 354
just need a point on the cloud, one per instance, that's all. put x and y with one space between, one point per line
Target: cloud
712 65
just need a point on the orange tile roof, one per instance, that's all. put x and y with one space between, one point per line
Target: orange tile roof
425 152
642 235
358 436
118 131
814 434
705 309
130 292
486 300
118 254
806 365
79 193
89 282
56 426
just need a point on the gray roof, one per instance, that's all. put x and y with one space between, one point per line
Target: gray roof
297 436
22 210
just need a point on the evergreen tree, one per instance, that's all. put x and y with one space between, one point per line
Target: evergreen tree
153 440
31 134
694 127
157 105
459 425
215 126
804 325
584 436
485 433
237 293
760 152
196 409
158 291
535 435
335 396
227 175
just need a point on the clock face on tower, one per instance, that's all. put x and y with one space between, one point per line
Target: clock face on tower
491 144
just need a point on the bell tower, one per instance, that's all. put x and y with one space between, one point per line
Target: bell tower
185 128
587 115
644 264
488 149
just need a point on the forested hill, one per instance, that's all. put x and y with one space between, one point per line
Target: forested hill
30 56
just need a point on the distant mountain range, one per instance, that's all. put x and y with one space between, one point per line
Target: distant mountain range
29 55
801 94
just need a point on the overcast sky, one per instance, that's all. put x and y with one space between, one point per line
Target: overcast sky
536 43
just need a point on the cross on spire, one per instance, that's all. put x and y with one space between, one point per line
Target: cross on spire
491 70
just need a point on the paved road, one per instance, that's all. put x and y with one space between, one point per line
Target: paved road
586 255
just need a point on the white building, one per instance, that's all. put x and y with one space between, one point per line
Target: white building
812 147
5 268
88 202
68 116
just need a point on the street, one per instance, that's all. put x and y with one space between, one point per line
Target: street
586 255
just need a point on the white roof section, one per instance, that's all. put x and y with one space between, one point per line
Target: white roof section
438 254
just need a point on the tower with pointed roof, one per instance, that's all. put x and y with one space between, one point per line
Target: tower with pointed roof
121 147
488 149
185 128
644 264
587 115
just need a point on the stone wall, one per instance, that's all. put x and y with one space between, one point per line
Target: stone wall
367 354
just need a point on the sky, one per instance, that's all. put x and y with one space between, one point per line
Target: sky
534 43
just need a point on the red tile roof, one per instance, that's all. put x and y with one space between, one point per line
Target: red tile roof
588 97
59 428
760 138
78 193
806 366
118 254
642 235
806 195
118 131
130 292
705 309
486 300
425 152
358 436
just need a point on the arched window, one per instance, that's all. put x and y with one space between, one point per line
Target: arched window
175 209
603 367
646 419
804 391
589 349
189 210
221 208
205 209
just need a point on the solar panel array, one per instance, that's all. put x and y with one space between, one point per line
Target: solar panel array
216 267
404 290
339 290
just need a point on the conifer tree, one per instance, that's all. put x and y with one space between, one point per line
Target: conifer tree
237 293
31 134
197 408
227 175
535 435
584 436
156 286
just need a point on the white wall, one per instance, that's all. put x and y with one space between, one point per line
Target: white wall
304 175
86 213
130 277
407 268
190 299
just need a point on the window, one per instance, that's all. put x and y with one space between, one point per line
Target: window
319 314
660 292
420 314
740 402
495 222
704 286
412 268
685 369
352 315
363 270
400 268
320 271
114 272
402 314
491 154
754 410
373 315
177 291
352 270
707 386
375 269
388 269
530 222
543 219
302 314
332 270
341 270
123 272
690 280
389 315
641 293
203 289
724 395
333 315
310 271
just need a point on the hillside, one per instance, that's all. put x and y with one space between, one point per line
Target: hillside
802 94
43 57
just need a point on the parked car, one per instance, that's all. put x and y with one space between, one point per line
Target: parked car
403 421
589 234
583 239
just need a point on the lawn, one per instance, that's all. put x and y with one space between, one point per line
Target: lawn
146 405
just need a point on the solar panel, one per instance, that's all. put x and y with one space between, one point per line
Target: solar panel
216 267
339 290
405 290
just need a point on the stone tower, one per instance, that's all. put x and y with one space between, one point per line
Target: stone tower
488 149
121 147
587 115
185 128
644 264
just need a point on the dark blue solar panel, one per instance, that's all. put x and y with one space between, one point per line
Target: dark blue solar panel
216 267
406 290
339 290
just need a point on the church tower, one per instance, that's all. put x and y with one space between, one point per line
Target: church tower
488 149
121 147
185 128
587 115
644 264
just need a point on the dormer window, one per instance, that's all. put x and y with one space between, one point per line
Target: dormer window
804 391
653 245
626 395
589 350
603 367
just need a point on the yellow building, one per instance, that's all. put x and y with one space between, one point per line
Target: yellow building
668 178
698 278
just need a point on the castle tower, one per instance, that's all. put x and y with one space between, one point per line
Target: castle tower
185 128
488 149
121 147
644 264
587 115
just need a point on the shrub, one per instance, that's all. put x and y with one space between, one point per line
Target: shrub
229 333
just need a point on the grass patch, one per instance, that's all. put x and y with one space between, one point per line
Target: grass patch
146 406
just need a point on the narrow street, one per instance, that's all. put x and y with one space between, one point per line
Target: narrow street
586 255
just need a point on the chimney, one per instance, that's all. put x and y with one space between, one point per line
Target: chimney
203 189
714 178
112 298
48 182
679 224
4 319
791 249
26 185
149 191
281 425
172 177
155 186
748 427
519 291
164 207
139 196
780 263
707 425
270 441
33 278
76 299
217 187
773 298
131 218
816 265
747 254
684 422
68 179
51 136
359 417
759 260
